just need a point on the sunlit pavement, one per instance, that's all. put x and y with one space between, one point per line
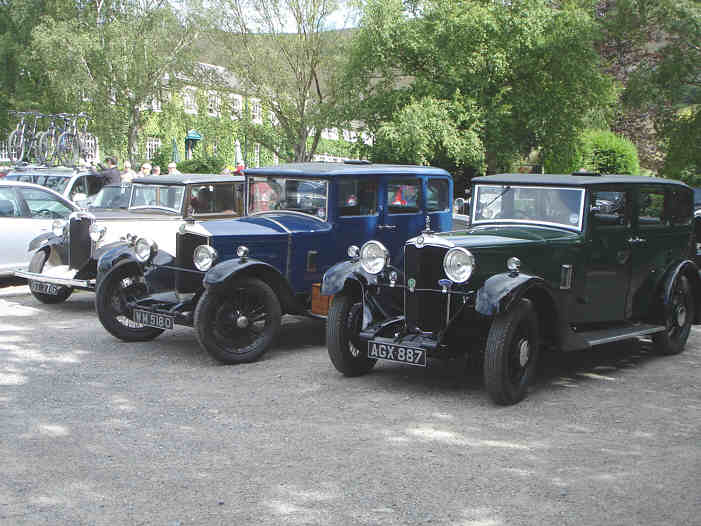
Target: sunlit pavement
97 431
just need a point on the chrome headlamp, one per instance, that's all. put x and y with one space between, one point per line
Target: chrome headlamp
97 232
373 257
204 257
458 264
144 249
58 226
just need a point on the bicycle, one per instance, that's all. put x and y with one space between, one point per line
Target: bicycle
70 145
48 140
23 141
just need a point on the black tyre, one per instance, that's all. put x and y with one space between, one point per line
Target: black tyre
113 293
15 147
679 315
238 325
36 265
343 325
512 354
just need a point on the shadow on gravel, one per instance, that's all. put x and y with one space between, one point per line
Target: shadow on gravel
12 282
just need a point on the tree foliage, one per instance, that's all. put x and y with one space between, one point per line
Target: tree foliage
282 54
530 69
605 152
112 58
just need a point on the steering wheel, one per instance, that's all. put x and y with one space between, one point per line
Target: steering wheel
44 212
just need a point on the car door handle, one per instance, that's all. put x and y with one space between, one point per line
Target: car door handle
636 240
387 227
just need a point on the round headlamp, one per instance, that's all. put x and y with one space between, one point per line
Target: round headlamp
458 264
143 249
97 232
353 252
58 226
204 257
373 257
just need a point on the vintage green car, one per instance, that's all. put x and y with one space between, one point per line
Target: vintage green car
566 262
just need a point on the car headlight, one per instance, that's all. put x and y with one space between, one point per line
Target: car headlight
144 248
204 257
58 226
459 264
373 257
97 232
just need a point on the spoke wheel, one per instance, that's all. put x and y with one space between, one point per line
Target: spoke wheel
512 354
679 315
113 295
15 147
238 325
347 351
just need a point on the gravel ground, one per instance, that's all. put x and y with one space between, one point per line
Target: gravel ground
97 431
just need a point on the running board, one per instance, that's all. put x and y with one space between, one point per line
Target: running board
620 333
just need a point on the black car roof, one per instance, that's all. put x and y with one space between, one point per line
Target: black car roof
320 169
572 180
188 179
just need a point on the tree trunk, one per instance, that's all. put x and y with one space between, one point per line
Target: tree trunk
133 134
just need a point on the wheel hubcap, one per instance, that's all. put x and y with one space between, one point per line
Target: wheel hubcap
242 322
523 352
681 315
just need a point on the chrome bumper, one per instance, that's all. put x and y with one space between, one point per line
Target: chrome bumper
88 284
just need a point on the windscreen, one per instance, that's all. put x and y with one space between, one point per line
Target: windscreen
529 204
282 193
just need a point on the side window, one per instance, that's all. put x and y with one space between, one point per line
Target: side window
43 205
681 209
94 183
652 205
437 195
403 196
357 197
612 208
78 187
9 203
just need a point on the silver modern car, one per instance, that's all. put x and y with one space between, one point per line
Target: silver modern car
26 210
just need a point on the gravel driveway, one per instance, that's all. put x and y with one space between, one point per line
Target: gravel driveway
97 431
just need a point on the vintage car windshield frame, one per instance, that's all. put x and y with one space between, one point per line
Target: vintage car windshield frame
254 179
578 227
158 188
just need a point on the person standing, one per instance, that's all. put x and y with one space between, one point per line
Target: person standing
145 170
110 175
128 174
156 170
173 169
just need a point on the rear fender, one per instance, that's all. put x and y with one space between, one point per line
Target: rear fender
220 277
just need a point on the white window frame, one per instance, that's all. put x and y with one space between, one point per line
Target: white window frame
236 106
256 111
189 101
153 144
213 104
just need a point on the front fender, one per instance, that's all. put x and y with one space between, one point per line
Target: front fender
224 271
47 239
335 278
119 254
499 292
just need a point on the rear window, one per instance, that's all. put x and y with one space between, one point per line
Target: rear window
437 195
404 196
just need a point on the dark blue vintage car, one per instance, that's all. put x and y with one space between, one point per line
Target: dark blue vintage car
232 280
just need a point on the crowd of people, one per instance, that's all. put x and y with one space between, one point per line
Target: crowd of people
113 175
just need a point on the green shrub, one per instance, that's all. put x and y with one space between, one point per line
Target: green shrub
161 158
605 152
205 165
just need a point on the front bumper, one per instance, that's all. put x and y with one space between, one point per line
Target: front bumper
83 284
181 308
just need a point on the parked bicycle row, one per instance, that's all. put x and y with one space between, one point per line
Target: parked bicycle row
64 141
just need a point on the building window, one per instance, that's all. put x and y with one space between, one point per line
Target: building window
256 111
330 133
213 104
236 106
273 118
153 144
348 135
92 152
189 102
256 155
156 104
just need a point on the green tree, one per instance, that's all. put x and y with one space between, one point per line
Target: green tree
605 152
282 54
530 68
115 57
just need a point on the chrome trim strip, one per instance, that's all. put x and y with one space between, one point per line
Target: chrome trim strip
430 240
254 214
287 230
626 336
82 283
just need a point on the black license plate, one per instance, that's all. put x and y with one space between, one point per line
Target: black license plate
153 319
45 288
397 353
